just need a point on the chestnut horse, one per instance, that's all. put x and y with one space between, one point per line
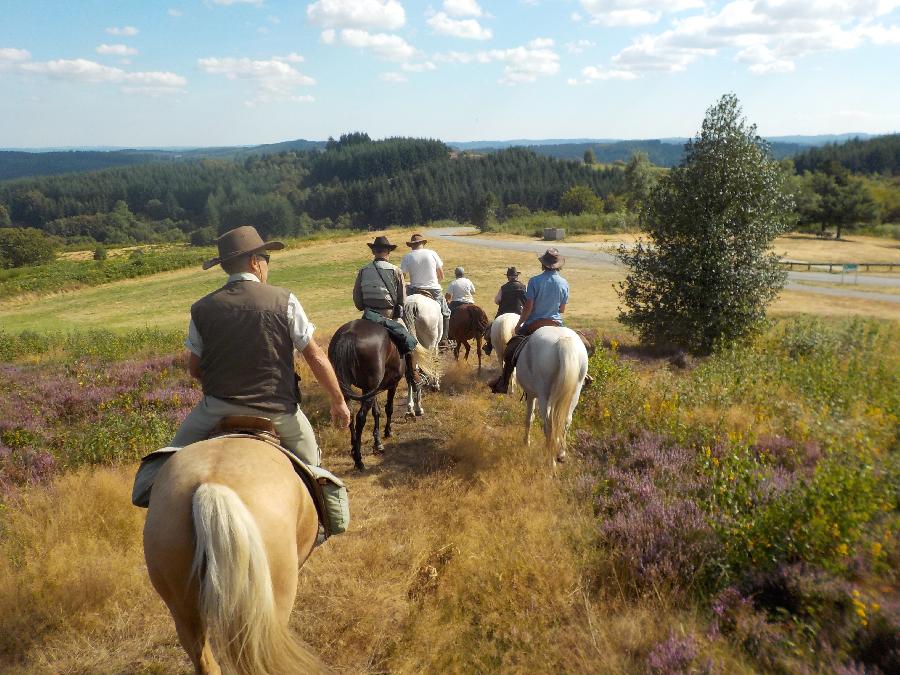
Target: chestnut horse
466 322
363 355
229 525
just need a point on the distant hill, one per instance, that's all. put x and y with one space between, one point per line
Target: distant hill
880 154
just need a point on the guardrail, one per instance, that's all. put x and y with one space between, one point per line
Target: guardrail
840 266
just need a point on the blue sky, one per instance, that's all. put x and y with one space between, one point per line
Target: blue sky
225 72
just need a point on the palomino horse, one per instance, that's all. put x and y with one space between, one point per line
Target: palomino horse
466 322
502 329
363 355
228 527
423 319
551 369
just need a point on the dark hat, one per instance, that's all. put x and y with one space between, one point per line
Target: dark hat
381 243
241 241
512 272
416 239
552 259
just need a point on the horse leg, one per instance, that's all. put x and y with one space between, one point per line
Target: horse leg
378 447
389 411
548 430
468 348
478 350
529 417
357 434
418 396
410 395
456 349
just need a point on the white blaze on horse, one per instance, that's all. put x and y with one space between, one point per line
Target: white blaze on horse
229 525
502 329
551 370
423 319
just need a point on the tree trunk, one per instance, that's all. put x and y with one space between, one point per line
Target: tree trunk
838 235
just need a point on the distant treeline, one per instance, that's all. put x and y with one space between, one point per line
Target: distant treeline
355 182
876 155
18 164
661 153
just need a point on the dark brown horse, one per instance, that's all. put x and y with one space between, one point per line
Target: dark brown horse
364 356
467 322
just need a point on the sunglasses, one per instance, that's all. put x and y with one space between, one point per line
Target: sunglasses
264 256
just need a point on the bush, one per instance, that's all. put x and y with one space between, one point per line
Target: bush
708 274
100 253
205 236
20 247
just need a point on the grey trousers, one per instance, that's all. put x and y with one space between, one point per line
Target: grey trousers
295 430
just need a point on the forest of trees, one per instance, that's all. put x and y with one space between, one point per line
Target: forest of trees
876 155
355 182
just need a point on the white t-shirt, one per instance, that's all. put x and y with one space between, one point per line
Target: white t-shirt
421 267
461 290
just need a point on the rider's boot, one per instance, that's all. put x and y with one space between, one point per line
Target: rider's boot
445 338
501 386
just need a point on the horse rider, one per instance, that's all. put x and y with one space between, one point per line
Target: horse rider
510 299
546 298
380 293
425 270
460 291
241 343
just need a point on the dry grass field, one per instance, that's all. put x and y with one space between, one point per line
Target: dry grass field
464 554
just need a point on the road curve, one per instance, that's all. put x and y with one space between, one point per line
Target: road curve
463 235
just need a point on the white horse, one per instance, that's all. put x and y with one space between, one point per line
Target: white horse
423 319
502 329
551 369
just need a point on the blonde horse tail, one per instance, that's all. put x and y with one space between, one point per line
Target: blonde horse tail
410 315
562 394
237 602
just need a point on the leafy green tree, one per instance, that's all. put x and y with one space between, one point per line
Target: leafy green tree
844 201
580 199
100 253
640 180
21 246
707 274
484 212
4 216
589 158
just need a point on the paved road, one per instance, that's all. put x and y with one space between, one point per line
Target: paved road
603 259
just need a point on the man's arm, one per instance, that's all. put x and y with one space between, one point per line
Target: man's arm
323 372
526 312
357 291
498 297
440 273
194 365
562 308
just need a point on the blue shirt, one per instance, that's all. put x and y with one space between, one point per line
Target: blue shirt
547 291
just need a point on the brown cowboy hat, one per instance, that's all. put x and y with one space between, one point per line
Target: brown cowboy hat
381 244
552 259
512 272
416 239
240 241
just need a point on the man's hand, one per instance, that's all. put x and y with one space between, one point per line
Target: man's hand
340 414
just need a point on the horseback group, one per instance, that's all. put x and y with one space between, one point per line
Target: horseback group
226 513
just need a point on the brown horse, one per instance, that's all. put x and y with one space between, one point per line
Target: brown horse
228 527
467 322
363 355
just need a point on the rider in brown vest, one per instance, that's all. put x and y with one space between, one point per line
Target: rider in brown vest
510 299
380 293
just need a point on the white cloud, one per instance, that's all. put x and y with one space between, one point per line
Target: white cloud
125 30
592 74
396 78
768 35
468 29
462 8
175 12
365 14
418 67
634 12
522 64
83 70
116 50
328 36
275 79
11 55
579 46
383 45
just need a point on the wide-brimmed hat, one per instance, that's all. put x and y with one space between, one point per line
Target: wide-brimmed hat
416 239
381 243
552 259
240 241
512 272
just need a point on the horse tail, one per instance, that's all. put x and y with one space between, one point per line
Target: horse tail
479 320
237 602
410 316
563 393
342 354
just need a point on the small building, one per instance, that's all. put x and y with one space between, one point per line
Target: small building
554 233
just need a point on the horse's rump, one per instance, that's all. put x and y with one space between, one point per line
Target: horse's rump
467 321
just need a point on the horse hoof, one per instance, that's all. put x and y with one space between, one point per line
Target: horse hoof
360 466
561 457
378 450
419 413
410 413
